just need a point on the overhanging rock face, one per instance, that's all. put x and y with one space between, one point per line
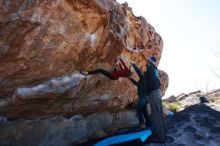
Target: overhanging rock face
44 45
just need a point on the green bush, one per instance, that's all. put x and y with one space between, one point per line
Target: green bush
174 107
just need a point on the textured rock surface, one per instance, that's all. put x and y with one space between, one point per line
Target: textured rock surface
164 79
43 44
197 125
61 131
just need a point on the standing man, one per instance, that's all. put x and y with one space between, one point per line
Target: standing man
155 99
142 97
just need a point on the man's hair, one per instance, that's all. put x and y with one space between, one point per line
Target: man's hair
152 60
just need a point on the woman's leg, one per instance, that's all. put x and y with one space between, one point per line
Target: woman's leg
102 71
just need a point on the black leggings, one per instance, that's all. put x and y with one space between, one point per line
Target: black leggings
104 72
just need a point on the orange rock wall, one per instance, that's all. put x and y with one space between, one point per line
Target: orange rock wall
44 44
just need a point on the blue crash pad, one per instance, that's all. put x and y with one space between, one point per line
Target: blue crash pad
142 135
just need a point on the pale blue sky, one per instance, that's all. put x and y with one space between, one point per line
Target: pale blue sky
191 33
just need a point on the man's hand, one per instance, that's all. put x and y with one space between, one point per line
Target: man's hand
119 57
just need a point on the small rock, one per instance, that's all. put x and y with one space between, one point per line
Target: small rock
203 99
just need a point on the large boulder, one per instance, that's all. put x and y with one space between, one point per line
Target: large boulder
44 44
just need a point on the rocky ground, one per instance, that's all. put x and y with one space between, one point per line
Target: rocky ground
194 124
197 125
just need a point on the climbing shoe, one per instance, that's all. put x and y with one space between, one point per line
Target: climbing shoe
85 73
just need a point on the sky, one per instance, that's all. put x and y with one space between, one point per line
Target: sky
190 30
